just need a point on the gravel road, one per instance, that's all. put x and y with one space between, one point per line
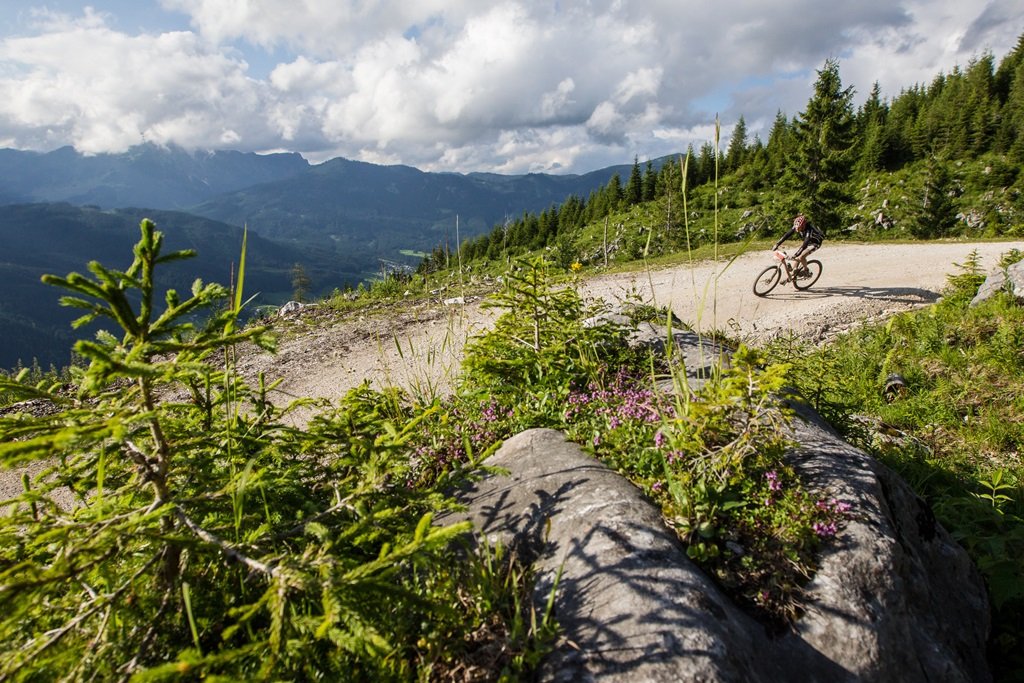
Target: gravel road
419 348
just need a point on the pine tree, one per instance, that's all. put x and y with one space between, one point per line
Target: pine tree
936 214
706 163
571 213
690 166
822 160
613 193
871 126
650 182
1009 137
980 110
1006 73
301 284
737 149
635 186
901 127
779 147
669 179
757 159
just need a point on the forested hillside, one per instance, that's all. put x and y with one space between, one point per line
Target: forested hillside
934 160
36 239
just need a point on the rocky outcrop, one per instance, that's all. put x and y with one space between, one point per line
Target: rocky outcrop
895 598
1010 279
691 356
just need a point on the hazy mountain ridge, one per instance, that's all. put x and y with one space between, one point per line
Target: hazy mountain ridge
147 175
385 209
339 219
59 238
361 212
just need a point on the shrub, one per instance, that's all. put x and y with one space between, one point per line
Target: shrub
206 538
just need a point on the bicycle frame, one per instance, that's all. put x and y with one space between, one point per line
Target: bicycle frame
772 275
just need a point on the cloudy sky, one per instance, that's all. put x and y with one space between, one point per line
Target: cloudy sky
557 86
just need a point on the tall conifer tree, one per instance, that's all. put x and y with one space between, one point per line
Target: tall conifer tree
737 150
822 158
635 186
779 147
935 216
871 125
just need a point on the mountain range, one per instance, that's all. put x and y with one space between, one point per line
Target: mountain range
339 219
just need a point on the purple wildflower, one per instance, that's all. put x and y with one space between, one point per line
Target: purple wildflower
824 529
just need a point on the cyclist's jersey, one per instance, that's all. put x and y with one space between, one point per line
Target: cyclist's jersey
812 236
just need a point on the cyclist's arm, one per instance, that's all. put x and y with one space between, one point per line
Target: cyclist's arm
806 242
785 237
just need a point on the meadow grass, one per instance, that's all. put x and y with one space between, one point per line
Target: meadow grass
954 430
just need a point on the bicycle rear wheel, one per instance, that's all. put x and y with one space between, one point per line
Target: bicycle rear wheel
767 280
812 275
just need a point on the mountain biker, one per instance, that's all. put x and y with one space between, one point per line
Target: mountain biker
812 236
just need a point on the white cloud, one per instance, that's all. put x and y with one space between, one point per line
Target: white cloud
554 102
83 84
512 86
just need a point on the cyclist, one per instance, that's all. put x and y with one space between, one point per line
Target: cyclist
812 236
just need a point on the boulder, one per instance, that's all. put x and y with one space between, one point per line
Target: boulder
688 352
290 307
895 599
698 358
1010 279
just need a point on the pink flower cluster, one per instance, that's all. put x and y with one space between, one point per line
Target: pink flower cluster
833 512
624 399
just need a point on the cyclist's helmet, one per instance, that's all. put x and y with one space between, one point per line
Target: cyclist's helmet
800 221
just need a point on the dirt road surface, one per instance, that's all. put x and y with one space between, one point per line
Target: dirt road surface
419 348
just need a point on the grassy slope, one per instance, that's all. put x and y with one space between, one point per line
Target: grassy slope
954 432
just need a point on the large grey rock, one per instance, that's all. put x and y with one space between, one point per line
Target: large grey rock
1011 279
895 598
698 358
694 356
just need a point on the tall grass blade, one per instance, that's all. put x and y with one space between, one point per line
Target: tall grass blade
240 287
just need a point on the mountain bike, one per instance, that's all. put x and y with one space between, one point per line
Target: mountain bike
784 271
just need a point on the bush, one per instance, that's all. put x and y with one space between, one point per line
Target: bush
206 538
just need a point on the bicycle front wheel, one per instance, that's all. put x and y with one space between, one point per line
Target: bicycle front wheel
810 277
767 280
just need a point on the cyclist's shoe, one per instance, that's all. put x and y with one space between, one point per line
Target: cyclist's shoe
802 272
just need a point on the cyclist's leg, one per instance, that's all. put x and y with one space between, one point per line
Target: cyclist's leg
802 257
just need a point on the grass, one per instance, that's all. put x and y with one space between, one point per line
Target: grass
958 445
955 433
712 461
210 540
